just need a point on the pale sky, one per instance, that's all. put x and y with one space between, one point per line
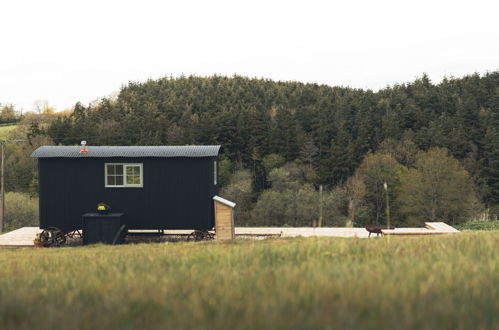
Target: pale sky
71 50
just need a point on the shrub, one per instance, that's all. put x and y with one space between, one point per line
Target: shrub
240 191
479 225
21 210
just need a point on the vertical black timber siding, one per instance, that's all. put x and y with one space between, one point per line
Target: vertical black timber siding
177 192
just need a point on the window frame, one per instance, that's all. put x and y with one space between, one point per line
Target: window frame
125 185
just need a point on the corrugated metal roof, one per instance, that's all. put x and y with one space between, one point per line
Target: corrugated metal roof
122 151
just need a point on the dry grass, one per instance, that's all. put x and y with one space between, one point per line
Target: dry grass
440 282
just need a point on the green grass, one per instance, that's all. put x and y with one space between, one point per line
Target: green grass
438 282
5 130
479 225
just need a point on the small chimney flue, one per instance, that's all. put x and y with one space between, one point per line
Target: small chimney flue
83 147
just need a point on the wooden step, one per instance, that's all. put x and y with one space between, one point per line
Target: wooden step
431 228
442 226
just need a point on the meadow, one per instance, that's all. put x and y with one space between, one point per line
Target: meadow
5 130
437 282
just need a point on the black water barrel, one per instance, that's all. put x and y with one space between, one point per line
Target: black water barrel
103 228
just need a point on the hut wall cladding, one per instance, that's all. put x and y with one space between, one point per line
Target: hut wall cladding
224 219
176 192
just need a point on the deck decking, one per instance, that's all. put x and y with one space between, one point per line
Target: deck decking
431 228
302 231
23 237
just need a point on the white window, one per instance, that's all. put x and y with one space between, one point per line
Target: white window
215 172
123 175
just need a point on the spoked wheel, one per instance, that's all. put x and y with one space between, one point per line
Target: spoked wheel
74 233
52 236
200 235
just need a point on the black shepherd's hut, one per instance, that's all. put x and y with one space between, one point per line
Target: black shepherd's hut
156 187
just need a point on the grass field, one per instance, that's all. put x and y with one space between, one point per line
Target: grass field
5 130
438 282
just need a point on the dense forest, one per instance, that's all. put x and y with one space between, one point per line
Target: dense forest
309 154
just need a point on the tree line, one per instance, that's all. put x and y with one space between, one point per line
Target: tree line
283 137
8 114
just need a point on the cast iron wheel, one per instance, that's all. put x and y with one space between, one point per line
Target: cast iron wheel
74 233
200 235
52 236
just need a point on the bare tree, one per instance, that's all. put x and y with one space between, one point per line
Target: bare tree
40 106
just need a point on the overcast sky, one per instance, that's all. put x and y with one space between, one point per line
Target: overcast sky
71 50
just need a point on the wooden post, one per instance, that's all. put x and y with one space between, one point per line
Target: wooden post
385 185
224 219
321 213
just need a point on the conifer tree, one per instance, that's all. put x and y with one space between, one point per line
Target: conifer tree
490 170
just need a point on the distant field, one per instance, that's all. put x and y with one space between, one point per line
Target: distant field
4 130
438 282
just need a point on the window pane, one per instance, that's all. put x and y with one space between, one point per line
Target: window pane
110 169
133 179
119 169
111 180
133 170
119 180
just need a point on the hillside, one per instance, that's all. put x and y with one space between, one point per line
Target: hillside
284 140
253 118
